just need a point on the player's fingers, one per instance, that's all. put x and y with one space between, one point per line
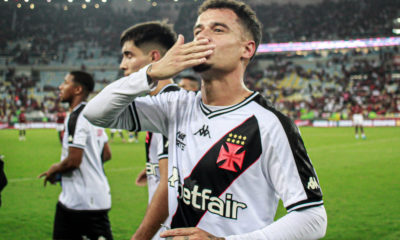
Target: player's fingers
198 49
179 41
194 62
199 55
194 43
178 232
41 175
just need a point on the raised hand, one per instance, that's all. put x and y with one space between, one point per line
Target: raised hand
180 57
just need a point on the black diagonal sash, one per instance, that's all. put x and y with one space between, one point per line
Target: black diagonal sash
241 147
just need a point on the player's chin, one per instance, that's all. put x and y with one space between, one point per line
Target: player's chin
202 67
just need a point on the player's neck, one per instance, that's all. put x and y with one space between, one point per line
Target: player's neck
76 101
225 90
160 85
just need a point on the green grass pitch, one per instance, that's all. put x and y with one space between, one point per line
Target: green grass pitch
360 180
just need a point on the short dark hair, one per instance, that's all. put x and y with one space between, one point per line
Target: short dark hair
246 15
190 77
156 32
84 79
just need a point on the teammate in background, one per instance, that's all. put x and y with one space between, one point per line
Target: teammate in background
189 83
3 178
232 155
120 133
133 137
141 45
22 125
60 118
358 120
83 205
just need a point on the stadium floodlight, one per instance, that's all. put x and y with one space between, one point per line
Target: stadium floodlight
104 1
70 1
84 6
396 31
26 1
19 5
5 0
49 1
32 6
96 5
154 4
88 1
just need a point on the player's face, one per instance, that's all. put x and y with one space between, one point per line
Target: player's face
188 85
133 58
67 89
221 27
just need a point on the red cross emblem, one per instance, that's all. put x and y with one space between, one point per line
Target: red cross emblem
230 157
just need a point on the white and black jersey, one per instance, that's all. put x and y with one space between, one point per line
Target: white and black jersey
228 166
156 149
84 188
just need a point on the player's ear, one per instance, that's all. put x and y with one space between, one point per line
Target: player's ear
249 49
155 55
78 89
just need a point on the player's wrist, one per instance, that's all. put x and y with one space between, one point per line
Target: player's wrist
152 77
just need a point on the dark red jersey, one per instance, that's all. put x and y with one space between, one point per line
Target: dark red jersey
60 117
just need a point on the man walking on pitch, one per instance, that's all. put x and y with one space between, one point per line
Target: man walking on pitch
83 205
143 44
232 156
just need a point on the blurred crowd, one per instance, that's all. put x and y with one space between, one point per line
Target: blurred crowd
307 86
328 86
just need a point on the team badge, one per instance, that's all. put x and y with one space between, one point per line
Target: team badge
225 161
234 154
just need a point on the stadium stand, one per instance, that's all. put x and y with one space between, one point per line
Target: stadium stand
39 46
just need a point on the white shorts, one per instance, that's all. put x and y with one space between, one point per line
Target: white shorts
22 126
60 127
358 119
113 130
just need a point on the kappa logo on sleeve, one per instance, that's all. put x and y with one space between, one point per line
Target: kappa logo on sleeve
70 139
312 184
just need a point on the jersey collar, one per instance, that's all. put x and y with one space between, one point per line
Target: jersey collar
210 114
77 106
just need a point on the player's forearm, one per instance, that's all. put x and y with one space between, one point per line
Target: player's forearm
307 224
156 214
104 108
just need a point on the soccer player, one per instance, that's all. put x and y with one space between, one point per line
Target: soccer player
141 45
189 83
133 137
22 125
112 133
60 118
83 205
231 154
358 120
